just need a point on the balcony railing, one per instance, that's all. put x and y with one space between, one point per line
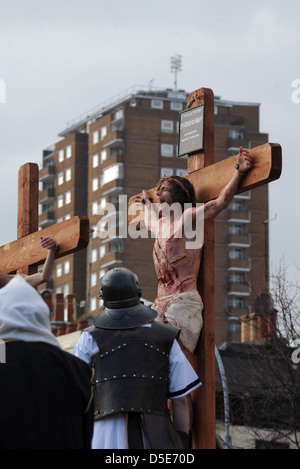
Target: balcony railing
115 139
46 218
243 265
46 196
47 174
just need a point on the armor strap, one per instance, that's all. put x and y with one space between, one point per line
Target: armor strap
134 431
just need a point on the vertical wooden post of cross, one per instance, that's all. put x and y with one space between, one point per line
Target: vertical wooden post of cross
28 200
203 360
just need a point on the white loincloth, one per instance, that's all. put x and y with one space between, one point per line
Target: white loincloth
182 310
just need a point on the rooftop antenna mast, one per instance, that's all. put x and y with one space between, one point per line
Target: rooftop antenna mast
175 67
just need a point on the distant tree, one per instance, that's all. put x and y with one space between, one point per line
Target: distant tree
264 374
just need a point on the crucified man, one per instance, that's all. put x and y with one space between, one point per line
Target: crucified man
177 259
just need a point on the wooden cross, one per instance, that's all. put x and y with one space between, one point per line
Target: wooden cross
208 180
25 254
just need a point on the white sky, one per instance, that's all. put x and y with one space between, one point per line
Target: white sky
58 59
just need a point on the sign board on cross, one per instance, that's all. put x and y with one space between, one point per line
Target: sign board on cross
191 127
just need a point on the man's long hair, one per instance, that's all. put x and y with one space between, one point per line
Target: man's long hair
182 190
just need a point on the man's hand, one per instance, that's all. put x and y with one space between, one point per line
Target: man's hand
49 243
144 199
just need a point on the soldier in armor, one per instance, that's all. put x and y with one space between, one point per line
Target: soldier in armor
138 366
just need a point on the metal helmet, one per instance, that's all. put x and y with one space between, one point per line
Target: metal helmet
121 296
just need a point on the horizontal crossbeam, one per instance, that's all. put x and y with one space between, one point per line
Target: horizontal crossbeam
72 235
210 180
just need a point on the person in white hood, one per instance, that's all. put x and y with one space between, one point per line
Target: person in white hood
45 393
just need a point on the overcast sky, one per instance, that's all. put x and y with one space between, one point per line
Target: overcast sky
58 59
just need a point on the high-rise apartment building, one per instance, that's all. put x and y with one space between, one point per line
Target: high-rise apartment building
124 146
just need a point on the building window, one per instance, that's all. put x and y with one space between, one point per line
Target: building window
67 267
101 273
236 133
93 304
234 325
66 289
61 155
112 172
119 114
60 201
237 229
237 205
237 302
103 155
95 208
95 161
60 179
69 151
166 149
95 137
115 247
166 172
58 270
94 255
237 253
157 104
68 174
102 251
116 126
68 216
93 280
95 184
103 132
181 172
68 197
176 106
167 126
237 277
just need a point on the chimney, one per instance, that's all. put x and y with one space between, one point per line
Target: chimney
262 327
71 301
60 307
253 326
245 330
47 297
82 324
262 323
61 330
71 327
272 323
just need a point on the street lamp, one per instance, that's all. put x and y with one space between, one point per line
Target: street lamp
175 67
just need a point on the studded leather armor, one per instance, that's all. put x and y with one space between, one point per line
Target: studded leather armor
131 369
